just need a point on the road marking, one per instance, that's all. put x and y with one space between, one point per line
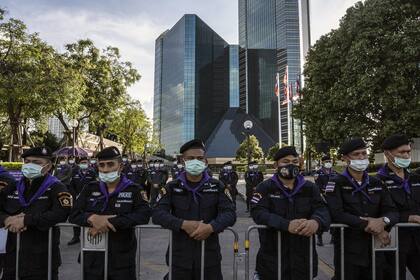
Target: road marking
326 268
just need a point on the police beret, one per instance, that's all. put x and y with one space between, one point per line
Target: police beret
395 141
351 145
253 162
193 144
227 163
42 151
284 152
83 158
327 157
108 153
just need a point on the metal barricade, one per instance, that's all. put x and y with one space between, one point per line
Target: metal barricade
202 256
279 266
341 227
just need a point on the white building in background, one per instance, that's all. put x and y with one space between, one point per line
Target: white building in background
55 127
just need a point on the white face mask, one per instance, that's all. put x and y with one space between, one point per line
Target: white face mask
71 161
328 165
133 166
62 162
359 164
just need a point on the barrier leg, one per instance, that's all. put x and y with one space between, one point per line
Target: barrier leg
202 264
50 231
342 253
17 255
373 259
106 258
279 255
82 275
138 238
311 257
246 245
397 254
170 254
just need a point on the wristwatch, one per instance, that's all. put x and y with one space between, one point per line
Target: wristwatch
387 221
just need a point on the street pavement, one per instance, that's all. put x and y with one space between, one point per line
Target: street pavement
155 242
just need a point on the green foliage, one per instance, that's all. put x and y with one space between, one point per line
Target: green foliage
273 150
12 165
362 79
255 150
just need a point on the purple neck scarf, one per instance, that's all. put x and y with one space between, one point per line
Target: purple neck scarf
299 182
183 178
122 185
48 182
358 188
404 183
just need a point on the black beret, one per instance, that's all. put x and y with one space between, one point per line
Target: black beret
124 155
253 162
351 145
327 157
284 152
83 158
395 141
43 152
109 153
227 163
193 144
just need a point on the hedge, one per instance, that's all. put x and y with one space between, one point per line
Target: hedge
12 165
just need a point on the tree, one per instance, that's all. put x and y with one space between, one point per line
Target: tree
131 127
273 150
105 78
255 150
362 79
33 79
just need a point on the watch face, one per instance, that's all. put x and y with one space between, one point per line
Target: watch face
386 220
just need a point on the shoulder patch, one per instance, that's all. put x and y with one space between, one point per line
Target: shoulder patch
143 195
65 199
162 193
256 198
3 184
330 187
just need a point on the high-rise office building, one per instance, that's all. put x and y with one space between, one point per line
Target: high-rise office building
192 88
273 35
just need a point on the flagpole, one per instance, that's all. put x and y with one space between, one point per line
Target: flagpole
279 108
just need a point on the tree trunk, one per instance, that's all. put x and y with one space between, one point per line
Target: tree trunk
14 121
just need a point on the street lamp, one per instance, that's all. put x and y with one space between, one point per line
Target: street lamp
248 126
74 123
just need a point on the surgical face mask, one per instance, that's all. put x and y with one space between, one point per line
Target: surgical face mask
289 171
109 177
402 162
83 165
161 165
140 165
32 170
195 167
228 167
62 162
133 166
179 166
93 161
359 164
328 165
71 161
124 159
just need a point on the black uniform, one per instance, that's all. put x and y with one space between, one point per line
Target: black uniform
275 206
50 208
138 176
175 171
131 208
5 178
348 201
80 179
252 179
230 179
157 179
406 196
211 204
64 172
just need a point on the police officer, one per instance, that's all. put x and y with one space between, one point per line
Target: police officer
229 177
195 207
157 178
82 176
252 178
322 176
141 173
287 203
360 201
63 171
36 203
404 188
177 168
114 205
126 164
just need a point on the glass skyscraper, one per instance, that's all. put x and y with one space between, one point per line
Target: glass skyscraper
192 82
270 40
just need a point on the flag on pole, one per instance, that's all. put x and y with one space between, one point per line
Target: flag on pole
286 85
298 93
277 86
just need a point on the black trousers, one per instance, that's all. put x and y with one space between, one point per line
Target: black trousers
410 260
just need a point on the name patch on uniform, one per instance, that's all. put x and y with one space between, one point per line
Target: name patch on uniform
125 195
347 188
415 185
178 190
375 189
256 198
275 196
210 190
96 194
389 182
393 187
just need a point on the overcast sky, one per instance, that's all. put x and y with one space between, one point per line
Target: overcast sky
133 25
